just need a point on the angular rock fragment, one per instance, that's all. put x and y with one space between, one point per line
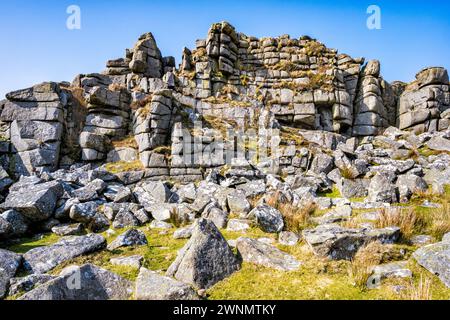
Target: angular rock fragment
43 259
257 252
152 286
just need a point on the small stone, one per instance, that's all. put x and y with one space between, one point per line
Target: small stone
68 229
129 238
131 261
288 238
153 286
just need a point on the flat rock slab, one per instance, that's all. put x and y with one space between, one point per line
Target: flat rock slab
261 253
9 263
436 259
393 270
153 286
87 282
205 259
439 144
338 243
43 259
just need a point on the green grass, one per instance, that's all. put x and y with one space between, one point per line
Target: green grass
26 244
123 166
335 193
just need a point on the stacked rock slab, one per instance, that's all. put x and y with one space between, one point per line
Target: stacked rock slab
230 78
298 79
423 106
152 126
372 113
107 119
33 124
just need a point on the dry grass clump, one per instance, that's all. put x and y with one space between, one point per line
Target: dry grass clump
295 218
440 221
164 150
314 48
421 290
78 95
219 124
406 219
288 135
178 218
116 87
127 142
348 173
366 259
288 66
135 105
123 166
199 55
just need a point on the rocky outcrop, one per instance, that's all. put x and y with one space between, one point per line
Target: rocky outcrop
424 101
108 119
374 104
32 121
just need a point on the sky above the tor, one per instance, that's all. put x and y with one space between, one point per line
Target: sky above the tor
36 45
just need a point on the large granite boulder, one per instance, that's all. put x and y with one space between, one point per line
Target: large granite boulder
36 202
258 252
436 259
35 118
338 243
205 259
87 282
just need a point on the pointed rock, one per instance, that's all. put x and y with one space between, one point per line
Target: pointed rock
206 259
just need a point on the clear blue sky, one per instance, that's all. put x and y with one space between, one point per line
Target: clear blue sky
36 45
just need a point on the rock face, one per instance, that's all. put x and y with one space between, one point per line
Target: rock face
9 263
436 259
152 286
35 118
141 102
205 259
257 252
339 243
87 282
43 259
